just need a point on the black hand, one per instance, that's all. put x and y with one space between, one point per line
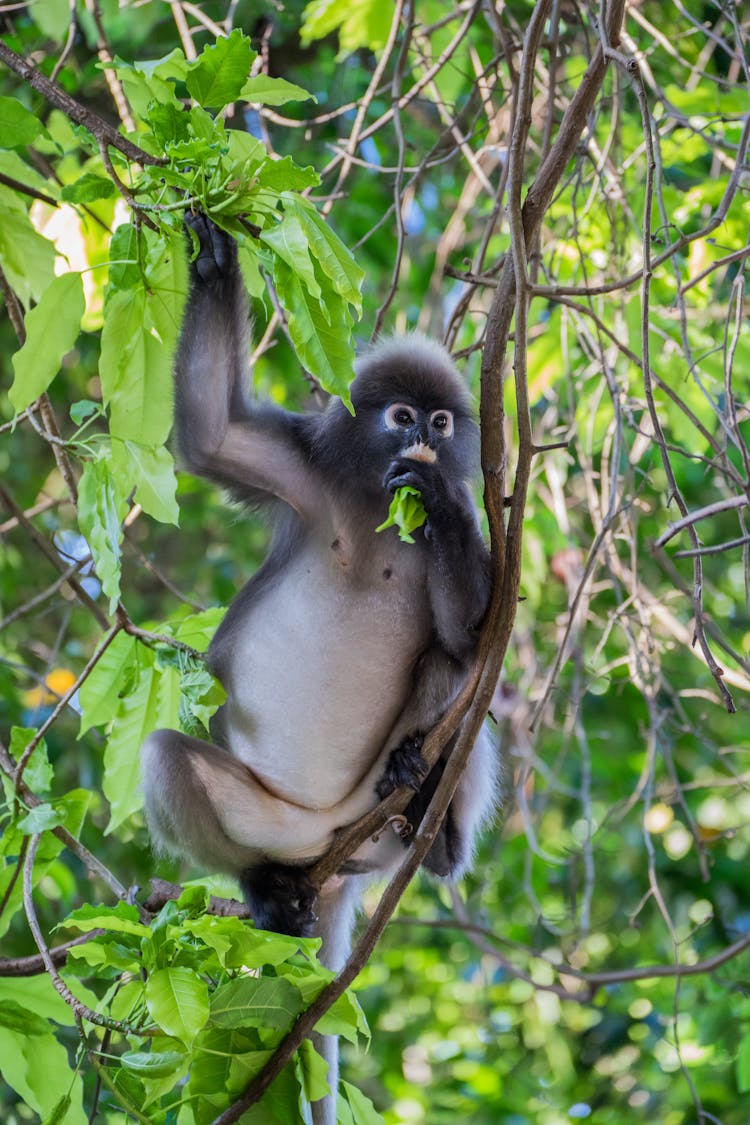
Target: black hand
217 251
415 474
405 766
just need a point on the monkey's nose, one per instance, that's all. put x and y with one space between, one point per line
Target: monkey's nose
420 451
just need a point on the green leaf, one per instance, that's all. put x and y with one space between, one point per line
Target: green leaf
287 239
16 168
150 471
256 1002
223 1060
38 774
273 91
345 1017
51 331
17 1018
89 188
60 1111
177 999
18 125
360 23
198 629
129 1000
149 80
321 336
406 512
40 818
170 123
52 17
141 327
313 1072
743 1065
26 257
101 510
218 75
335 259
286 175
137 716
119 919
99 694
249 263
156 1064
83 409
363 1110
37 1069
124 271
100 953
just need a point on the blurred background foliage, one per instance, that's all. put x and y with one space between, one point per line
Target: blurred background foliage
522 997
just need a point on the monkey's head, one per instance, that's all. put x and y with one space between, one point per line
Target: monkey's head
409 402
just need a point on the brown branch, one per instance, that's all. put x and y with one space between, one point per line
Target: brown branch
163 892
104 133
24 189
33 966
423 841
62 703
729 503
80 1010
57 561
87 858
105 57
501 614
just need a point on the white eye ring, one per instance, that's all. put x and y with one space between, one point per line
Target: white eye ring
445 430
398 416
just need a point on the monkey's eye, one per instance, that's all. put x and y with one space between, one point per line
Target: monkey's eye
399 416
442 421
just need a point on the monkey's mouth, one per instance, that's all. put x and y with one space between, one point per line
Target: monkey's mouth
420 452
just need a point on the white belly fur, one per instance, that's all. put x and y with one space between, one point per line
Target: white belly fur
318 677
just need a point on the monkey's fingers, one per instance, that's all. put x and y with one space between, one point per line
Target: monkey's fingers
405 766
216 251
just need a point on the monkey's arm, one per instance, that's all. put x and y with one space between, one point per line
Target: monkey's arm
459 582
256 453
459 577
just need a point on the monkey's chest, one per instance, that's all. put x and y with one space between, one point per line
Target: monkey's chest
321 669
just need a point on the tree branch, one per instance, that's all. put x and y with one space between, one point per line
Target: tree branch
104 133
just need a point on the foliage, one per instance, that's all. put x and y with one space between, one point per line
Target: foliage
594 967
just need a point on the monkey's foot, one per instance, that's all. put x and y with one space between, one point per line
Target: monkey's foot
280 898
405 766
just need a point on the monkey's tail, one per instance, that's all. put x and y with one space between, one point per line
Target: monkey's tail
336 908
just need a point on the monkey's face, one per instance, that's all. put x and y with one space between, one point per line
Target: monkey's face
418 434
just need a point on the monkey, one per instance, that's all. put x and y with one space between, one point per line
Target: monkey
347 645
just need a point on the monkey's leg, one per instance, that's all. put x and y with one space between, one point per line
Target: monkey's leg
203 803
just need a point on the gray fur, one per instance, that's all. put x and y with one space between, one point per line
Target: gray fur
346 641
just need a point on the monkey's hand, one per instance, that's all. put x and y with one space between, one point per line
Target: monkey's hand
405 766
217 251
439 502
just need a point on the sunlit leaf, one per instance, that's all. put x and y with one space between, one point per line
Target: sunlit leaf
256 1002
177 1000
18 125
52 328
406 512
272 91
101 510
217 77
